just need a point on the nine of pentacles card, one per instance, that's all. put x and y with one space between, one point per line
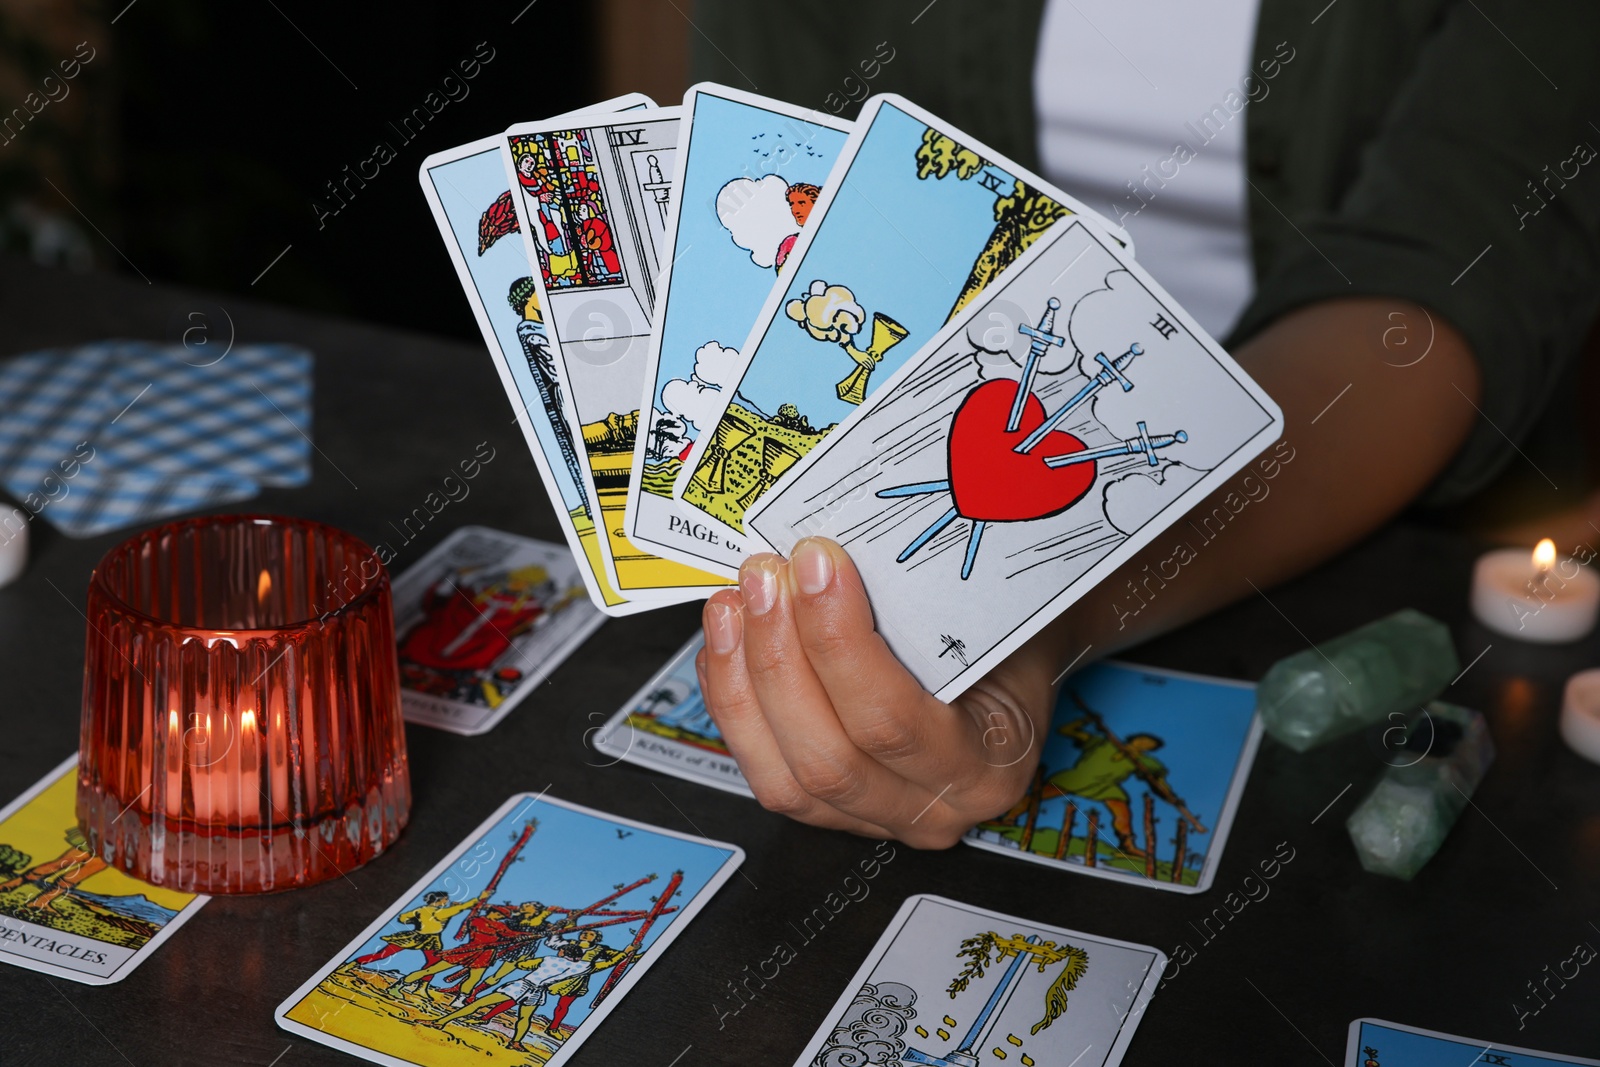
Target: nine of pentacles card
1139 779
592 203
665 726
1375 1043
481 620
950 983
749 172
63 909
471 200
913 222
1070 415
517 945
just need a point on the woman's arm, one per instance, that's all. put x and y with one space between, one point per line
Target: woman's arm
829 728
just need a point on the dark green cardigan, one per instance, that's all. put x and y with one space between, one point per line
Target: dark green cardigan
1439 151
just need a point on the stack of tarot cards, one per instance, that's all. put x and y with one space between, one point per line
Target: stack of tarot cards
732 324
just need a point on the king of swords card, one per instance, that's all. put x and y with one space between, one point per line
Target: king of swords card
949 983
63 909
481 620
517 945
471 200
592 205
749 172
665 726
1071 415
914 221
1375 1043
1138 779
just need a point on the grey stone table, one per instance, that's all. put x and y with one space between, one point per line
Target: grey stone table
1515 888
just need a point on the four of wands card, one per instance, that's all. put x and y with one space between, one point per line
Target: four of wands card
665 726
949 983
63 909
1138 779
482 619
1069 416
517 945
471 200
1375 1043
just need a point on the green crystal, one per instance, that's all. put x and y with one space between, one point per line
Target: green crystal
1391 665
1403 821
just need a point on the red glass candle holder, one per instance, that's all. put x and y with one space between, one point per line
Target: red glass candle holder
241 706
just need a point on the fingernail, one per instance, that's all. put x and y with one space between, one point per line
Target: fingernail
722 628
812 565
758 581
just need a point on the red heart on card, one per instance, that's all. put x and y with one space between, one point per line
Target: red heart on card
991 483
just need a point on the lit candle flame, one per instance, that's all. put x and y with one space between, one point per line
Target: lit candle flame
247 720
1544 555
264 585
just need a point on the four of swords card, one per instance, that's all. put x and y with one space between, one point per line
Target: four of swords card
1069 416
472 205
665 726
481 620
1139 779
515 948
750 171
916 219
592 203
1375 1043
63 909
949 983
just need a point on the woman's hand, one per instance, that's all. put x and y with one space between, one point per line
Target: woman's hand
828 726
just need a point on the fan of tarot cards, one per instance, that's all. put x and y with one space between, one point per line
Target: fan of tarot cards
732 324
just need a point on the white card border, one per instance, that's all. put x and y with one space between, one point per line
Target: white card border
685 915
1224 822
1352 1052
133 961
1214 479
880 948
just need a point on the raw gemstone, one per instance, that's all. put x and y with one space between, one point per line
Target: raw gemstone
1391 665
1408 814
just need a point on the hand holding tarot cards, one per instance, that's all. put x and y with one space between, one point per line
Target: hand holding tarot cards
734 324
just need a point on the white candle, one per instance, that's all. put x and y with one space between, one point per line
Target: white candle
1541 598
13 544
1580 714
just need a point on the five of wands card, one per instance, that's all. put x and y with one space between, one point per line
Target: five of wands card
1054 428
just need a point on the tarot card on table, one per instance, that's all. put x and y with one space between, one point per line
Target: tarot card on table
488 960
592 208
466 189
749 171
63 909
1136 758
482 619
666 726
1071 414
914 221
949 983
1375 1043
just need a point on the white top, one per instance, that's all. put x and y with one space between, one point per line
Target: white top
1141 116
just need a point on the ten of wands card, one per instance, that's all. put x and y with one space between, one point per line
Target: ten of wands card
63 910
481 620
665 726
1140 778
1375 1043
950 983
1072 414
513 949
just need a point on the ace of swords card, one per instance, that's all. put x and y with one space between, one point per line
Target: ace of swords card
472 205
1071 415
956 985
592 203
749 173
914 221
